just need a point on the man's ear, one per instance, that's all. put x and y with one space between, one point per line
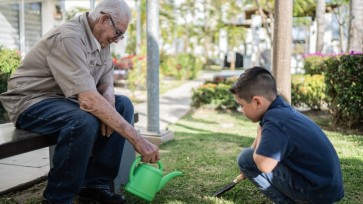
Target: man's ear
103 19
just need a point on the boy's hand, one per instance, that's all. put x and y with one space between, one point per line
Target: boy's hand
241 177
259 131
258 137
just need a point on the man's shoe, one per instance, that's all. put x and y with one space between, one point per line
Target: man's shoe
103 196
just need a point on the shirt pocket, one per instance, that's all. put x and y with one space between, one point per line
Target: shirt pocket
95 63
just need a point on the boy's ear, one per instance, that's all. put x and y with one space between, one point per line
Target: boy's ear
257 100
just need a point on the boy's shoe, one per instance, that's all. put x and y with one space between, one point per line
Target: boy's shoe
45 201
103 196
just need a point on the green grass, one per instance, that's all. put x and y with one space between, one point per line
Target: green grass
205 149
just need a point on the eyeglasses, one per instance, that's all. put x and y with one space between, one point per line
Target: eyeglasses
119 34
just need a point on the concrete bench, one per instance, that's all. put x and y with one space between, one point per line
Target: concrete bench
14 141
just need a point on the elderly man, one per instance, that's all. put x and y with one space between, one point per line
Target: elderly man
64 88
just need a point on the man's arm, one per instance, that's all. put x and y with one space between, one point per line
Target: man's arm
264 164
107 91
94 103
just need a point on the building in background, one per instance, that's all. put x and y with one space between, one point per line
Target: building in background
23 22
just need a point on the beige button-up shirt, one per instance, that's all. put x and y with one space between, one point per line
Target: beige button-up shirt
65 62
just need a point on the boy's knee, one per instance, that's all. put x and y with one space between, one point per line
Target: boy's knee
245 159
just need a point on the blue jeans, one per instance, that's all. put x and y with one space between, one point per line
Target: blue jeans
82 157
281 185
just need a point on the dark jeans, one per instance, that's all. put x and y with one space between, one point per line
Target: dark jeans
281 185
82 157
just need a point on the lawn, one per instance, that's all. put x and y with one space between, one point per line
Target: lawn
205 148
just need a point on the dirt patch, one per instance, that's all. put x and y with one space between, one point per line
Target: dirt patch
324 119
30 195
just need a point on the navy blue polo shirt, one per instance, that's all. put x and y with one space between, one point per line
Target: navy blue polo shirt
299 144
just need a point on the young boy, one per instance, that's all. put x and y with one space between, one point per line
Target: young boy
291 159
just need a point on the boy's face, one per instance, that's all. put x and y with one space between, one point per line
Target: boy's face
253 110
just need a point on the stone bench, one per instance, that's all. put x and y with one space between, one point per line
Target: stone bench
14 141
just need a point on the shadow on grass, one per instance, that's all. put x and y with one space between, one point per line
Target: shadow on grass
204 135
198 120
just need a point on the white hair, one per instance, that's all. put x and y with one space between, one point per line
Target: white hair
118 9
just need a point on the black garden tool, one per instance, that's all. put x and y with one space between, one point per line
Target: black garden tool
229 186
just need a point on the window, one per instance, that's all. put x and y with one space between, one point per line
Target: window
20 25
9 26
33 24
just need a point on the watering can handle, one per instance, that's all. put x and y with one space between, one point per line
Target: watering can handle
136 162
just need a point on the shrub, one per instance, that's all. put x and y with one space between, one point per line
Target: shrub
9 61
203 95
168 65
224 99
308 90
136 78
216 95
344 86
181 66
314 63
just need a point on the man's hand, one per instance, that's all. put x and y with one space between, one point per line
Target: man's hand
148 151
106 130
98 106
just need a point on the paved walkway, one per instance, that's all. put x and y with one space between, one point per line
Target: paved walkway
26 169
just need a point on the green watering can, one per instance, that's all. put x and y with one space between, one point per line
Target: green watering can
145 180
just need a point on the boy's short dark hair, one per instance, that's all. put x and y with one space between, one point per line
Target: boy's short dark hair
256 81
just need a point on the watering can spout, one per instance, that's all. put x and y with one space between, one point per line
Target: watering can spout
166 178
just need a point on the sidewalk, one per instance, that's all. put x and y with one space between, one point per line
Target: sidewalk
26 169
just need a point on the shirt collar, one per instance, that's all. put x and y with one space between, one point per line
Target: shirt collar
94 44
279 101
97 44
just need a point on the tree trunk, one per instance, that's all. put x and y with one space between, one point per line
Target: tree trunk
282 41
355 40
264 20
206 30
341 21
320 19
